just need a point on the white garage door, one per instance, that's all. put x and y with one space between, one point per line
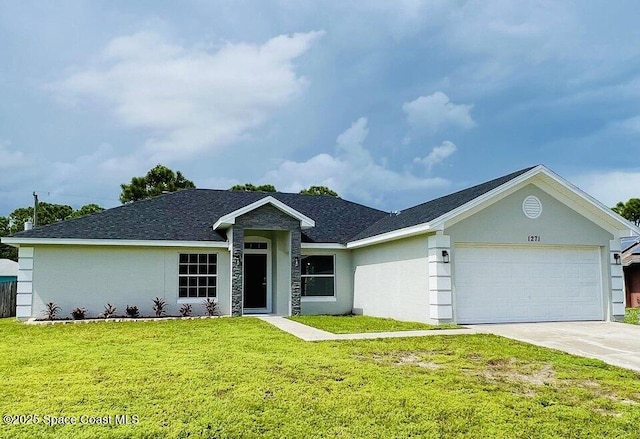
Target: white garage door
527 284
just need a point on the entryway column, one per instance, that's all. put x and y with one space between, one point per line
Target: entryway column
236 271
617 280
440 296
295 271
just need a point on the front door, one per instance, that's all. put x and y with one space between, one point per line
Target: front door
255 283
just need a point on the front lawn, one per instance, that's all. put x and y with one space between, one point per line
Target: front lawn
242 378
632 316
358 324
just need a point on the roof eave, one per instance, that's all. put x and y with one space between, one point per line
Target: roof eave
623 225
17 242
406 232
442 220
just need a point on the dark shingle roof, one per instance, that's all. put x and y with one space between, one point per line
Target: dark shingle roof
423 213
189 214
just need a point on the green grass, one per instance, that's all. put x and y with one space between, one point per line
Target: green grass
357 324
632 315
242 378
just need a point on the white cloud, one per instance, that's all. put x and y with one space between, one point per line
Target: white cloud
87 178
609 187
516 31
352 171
437 111
630 125
189 99
11 159
437 155
98 172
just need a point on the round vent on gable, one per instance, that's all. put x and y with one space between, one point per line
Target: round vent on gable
532 207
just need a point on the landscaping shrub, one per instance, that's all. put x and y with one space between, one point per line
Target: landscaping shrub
78 313
51 311
132 311
185 310
159 306
109 311
211 307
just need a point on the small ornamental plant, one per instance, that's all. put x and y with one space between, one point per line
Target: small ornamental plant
211 307
159 306
132 311
78 313
51 311
109 311
185 310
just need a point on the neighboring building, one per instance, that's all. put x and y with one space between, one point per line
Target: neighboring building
525 247
8 270
631 268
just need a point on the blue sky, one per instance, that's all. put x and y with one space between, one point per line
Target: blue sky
391 103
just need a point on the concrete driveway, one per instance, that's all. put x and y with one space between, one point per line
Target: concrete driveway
613 343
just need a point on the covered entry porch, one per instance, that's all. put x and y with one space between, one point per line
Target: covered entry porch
265 244
264 272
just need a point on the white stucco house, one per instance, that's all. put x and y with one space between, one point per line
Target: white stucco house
525 247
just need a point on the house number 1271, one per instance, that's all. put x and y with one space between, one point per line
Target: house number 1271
533 238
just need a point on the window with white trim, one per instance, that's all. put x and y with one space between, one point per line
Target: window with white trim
197 275
318 275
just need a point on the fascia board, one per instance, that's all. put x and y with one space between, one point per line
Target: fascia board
393 235
16 242
447 217
323 245
622 222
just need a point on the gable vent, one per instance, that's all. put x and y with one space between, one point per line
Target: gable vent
532 207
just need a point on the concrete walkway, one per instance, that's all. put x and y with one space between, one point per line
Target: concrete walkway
614 343
308 333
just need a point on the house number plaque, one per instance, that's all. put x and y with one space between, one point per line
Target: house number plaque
533 238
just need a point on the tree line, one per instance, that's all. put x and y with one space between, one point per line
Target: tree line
158 180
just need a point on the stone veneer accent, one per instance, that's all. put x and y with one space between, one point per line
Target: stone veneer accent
296 239
236 271
266 217
617 281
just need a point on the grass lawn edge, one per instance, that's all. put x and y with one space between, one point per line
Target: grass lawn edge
357 324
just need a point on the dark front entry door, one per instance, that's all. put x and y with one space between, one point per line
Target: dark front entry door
255 281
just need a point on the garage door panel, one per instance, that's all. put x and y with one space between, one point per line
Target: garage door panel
535 271
524 284
556 272
587 274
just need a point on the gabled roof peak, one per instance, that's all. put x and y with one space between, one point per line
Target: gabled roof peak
229 219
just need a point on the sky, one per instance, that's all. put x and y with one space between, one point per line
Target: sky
390 103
